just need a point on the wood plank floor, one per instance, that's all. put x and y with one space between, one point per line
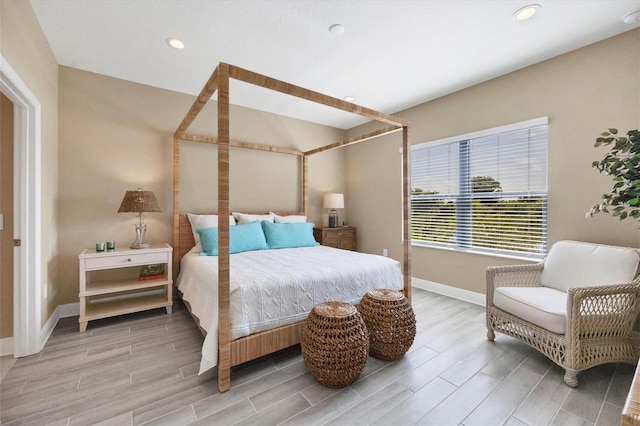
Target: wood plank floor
142 369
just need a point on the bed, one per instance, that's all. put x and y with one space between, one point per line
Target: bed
270 288
233 351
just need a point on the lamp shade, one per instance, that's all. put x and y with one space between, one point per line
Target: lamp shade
333 201
138 202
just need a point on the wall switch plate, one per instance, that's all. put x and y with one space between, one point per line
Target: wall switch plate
1 222
385 253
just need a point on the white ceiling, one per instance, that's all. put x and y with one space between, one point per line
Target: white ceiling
393 54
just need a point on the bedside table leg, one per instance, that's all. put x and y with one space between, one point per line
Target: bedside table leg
83 326
169 309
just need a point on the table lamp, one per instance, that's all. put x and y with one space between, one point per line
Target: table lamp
333 202
139 202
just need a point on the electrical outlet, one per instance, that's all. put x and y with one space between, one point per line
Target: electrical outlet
385 253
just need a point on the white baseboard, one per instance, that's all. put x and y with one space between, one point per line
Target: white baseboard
447 290
69 310
6 346
61 311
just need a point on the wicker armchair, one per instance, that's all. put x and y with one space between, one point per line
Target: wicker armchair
577 307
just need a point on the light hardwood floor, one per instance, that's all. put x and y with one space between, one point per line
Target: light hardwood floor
6 362
142 369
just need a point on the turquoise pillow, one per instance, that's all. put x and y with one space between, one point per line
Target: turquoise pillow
289 235
243 237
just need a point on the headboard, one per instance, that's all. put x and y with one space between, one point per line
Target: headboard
184 240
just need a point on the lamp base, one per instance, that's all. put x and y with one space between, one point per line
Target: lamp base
140 241
136 245
333 218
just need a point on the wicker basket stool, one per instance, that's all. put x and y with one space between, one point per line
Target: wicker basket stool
390 321
335 344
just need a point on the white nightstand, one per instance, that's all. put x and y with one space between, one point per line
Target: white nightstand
110 283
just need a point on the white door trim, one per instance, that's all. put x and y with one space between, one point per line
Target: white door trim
27 293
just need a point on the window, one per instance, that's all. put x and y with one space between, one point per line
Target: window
485 191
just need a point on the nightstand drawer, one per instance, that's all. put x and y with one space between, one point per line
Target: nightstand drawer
124 260
341 237
339 234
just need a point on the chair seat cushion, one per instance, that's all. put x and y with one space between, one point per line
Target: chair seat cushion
543 306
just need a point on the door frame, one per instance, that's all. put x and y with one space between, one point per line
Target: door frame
27 287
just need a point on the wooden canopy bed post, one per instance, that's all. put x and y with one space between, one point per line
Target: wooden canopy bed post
176 203
224 349
406 212
305 185
231 353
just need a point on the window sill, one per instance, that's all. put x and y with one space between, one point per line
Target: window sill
524 257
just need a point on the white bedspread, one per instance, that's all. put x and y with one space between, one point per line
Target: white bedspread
270 288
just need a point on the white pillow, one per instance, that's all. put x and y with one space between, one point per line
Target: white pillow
199 221
248 218
292 218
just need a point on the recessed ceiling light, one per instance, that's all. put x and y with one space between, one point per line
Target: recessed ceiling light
175 43
336 29
349 98
631 18
526 12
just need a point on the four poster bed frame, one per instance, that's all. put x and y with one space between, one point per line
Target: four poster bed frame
238 351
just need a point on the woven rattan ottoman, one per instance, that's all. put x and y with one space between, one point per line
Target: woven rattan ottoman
390 321
335 344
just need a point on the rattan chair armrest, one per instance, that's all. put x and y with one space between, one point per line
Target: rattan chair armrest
579 293
512 276
602 310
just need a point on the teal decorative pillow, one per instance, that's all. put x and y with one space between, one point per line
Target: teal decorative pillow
289 235
243 237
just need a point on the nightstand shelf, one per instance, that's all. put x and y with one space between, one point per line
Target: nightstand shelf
97 288
129 305
110 284
342 237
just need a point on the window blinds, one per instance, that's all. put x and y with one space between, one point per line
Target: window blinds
486 192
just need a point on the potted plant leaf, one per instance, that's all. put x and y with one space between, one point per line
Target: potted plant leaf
622 163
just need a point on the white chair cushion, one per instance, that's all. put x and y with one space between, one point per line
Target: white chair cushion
542 306
576 264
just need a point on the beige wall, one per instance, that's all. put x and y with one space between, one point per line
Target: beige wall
583 93
117 135
6 208
26 49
